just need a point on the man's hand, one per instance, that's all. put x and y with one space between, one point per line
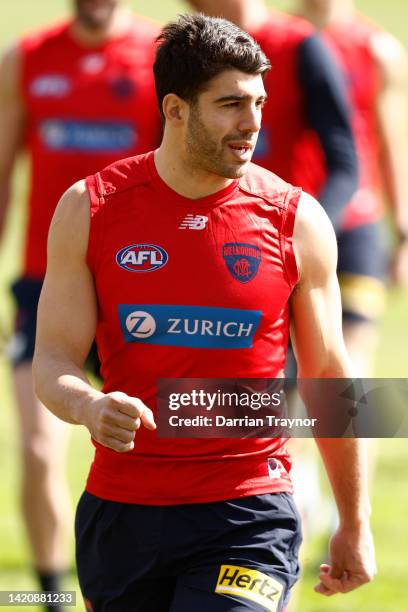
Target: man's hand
352 561
114 418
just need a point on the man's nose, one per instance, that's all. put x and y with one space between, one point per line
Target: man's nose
251 120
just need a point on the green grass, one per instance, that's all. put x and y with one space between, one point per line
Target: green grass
389 592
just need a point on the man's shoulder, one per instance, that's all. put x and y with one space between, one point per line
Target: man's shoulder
144 29
314 240
139 41
36 48
69 227
44 37
268 186
284 30
363 27
357 32
389 55
121 175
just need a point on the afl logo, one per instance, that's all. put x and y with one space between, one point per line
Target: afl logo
142 258
140 324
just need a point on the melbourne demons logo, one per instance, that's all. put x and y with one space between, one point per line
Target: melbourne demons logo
242 260
142 258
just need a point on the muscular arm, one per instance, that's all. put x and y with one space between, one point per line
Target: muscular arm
12 119
392 122
328 115
320 352
66 325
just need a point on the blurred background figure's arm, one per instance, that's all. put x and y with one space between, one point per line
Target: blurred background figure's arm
392 106
11 126
328 115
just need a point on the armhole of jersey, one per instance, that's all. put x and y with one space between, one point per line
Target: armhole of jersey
95 227
286 236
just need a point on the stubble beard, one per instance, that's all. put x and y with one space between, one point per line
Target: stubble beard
204 152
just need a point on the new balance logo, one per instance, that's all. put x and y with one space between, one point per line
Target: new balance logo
193 222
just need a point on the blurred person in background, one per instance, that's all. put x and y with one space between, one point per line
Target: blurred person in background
75 96
306 95
374 65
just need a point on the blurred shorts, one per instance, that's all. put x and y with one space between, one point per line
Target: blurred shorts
26 292
20 349
238 555
362 271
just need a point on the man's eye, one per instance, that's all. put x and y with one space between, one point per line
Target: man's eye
231 105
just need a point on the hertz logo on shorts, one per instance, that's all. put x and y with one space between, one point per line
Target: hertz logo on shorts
251 584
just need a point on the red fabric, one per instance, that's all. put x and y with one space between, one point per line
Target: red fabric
284 123
73 96
130 204
351 45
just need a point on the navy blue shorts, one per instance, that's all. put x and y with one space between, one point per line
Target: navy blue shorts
26 292
362 271
239 555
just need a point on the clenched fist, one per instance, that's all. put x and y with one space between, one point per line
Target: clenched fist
114 418
352 561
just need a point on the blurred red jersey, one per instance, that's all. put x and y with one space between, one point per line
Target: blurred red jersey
189 289
85 108
351 44
284 122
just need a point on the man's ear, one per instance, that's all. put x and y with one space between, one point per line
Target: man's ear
174 109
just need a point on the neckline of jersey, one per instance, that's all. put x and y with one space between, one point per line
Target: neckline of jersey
211 200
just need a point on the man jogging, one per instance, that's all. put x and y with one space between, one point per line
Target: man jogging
177 525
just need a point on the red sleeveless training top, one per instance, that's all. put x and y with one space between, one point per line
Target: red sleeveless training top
173 305
85 108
